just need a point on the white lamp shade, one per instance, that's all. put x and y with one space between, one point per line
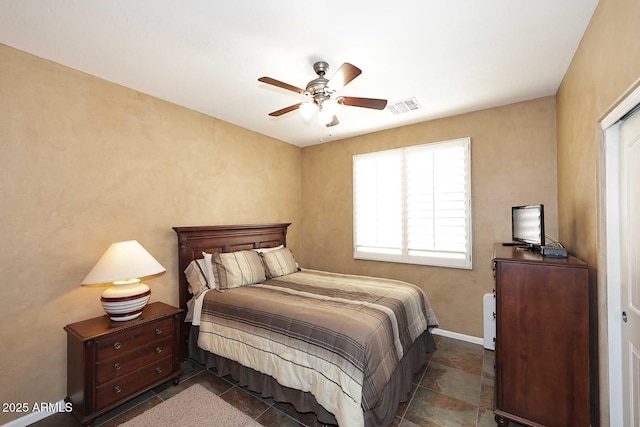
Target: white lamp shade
308 109
123 264
324 117
123 261
330 106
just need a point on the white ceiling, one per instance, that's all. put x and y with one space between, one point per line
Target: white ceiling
453 56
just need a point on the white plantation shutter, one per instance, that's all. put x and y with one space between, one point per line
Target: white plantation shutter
413 205
377 180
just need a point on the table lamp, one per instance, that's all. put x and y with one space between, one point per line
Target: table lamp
123 264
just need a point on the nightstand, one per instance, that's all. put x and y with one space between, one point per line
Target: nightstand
110 363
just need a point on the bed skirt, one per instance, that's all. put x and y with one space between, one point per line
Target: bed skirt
394 393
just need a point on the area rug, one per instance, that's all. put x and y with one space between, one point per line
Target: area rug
193 407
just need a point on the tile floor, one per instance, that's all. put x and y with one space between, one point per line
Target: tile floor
455 388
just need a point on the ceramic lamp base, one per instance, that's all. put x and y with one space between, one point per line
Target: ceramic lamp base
125 300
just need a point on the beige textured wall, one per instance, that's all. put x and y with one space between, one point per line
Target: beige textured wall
513 162
86 163
606 64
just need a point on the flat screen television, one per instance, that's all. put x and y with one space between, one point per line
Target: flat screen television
527 225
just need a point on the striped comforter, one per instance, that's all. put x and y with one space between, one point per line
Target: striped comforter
339 337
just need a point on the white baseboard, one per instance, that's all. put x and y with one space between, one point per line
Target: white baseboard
33 417
457 336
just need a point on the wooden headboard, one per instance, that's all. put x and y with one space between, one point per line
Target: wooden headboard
192 241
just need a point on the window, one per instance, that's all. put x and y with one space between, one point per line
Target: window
413 205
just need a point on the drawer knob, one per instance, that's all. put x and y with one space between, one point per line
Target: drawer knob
158 350
117 389
158 331
139 332
117 367
117 346
158 370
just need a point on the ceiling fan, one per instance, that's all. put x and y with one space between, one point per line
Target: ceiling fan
322 91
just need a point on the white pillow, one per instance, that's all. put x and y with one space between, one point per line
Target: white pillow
265 250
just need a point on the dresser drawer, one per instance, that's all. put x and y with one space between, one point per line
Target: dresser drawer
119 388
123 363
128 340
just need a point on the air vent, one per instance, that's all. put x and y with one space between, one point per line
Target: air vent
404 106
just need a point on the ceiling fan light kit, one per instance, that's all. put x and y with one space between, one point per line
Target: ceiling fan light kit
307 109
321 92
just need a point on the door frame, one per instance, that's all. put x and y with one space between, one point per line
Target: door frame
609 243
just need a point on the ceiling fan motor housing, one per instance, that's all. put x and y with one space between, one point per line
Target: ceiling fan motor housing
320 68
317 88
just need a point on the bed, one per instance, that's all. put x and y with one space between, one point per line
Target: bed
341 346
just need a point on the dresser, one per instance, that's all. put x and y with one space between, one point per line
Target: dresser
110 363
542 339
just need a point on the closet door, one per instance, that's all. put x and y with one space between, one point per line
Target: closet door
630 266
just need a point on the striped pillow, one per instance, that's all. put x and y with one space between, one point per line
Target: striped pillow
196 276
237 269
209 269
279 263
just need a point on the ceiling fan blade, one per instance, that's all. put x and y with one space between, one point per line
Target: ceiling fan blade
343 76
376 104
285 110
280 84
333 122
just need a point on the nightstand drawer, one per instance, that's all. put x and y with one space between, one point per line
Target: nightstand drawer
124 363
121 387
131 339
